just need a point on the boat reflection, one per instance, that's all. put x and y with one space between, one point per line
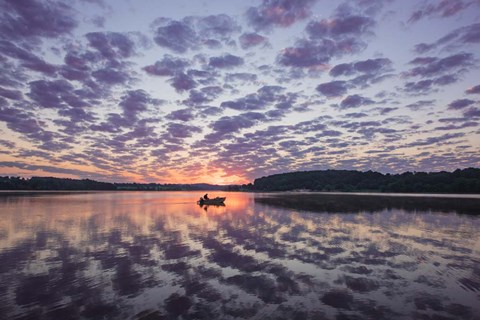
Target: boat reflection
206 206
160 256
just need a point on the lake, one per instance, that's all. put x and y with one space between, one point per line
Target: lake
158 255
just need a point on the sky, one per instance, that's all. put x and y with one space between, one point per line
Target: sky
225 92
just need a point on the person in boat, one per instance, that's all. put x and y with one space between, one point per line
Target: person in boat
205 197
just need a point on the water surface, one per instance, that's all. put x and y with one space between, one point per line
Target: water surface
158 255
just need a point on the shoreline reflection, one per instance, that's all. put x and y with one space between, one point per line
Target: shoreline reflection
161 256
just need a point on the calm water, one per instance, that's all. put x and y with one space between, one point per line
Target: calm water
262 256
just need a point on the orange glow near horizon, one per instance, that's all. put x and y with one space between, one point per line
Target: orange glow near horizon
217 177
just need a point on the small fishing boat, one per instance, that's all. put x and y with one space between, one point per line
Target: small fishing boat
214 201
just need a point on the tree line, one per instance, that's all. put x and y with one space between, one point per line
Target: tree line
459 181
52 183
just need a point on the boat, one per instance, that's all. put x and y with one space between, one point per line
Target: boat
218 201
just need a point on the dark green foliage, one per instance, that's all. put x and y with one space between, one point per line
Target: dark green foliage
50 183
459 181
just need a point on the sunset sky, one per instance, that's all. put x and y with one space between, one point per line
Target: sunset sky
221 91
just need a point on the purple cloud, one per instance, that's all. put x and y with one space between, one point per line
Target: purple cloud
419 87
472 113
307 54
420 104
459 37
431 66
443 9
28 125
343 69
369 66
178 130
182 82
329 38
225 127
176 36
218 27
192 33
452 127
29 19
473 90
29 60
226 61
111 76
204 95
355 101
281 13
446 79
77 115
264 97
168 66
184 115
460 104
435 140
50 94
240 76
11 94
340 26
333 88
249 40
73 74
111 45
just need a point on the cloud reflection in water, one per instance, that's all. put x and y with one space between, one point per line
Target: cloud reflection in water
160 256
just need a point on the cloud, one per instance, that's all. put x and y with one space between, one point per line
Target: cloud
328 38
27 124
459 37
11 94
278 13
264 97
168 66
179 130
111 76
373 67
432 66
355 101
472 113
419 87
249 40
431 141
226 61
226 126
442 9
450 127
134 102
202 96
460 104
240 76
184 115
191 33
50 94
111 45
420 104
473 90
29 60
35 19
176 36
219 27
340 26
333 88
183 82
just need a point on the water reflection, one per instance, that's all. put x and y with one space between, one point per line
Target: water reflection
161 256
